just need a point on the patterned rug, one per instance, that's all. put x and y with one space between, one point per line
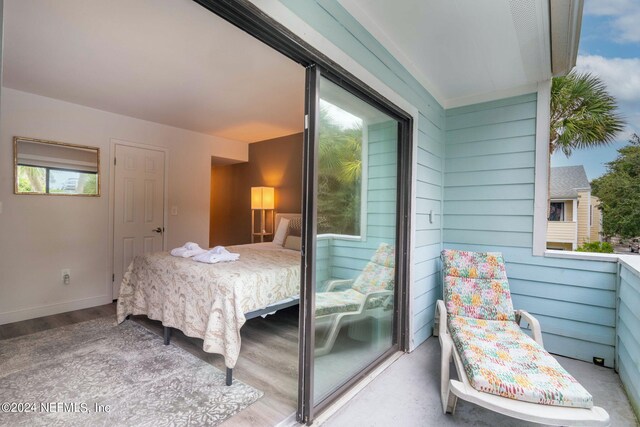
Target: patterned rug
99 374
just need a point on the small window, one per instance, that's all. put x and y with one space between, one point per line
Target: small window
39 180
556 213
48 167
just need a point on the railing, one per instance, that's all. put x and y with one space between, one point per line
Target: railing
628 328
562 231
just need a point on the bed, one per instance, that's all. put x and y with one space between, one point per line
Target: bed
212 301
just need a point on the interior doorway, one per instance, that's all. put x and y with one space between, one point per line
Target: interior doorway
138 208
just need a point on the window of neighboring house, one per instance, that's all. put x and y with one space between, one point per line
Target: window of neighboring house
590 216
342 166
46 180
556 211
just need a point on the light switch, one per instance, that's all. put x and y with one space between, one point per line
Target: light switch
0 207
174 210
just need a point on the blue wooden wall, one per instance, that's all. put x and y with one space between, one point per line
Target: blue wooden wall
629 334
330 19
488 205
348 257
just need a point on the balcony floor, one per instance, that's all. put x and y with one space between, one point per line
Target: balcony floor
414 400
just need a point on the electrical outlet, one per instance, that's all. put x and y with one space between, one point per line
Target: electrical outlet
66 276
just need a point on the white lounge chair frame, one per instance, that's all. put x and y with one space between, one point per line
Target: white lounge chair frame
451 390
338 320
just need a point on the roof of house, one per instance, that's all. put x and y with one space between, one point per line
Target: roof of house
567 180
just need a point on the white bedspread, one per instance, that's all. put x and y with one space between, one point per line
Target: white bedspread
209 301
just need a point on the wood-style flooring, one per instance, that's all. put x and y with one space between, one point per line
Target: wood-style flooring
268 357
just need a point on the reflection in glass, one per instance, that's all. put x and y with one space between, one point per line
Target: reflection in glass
47 167
355 253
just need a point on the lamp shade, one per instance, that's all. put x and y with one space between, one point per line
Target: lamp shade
262 198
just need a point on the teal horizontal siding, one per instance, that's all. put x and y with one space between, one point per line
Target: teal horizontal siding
628 337
489 184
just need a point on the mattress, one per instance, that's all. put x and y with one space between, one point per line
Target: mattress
209 301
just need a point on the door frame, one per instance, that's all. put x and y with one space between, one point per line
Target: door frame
112 205
404 195
251 19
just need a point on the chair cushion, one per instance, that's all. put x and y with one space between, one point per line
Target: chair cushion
379 273
346 301
338 302
499 358
476 285
475 265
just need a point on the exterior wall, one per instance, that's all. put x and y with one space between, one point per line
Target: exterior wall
488 205
596 221
568 210
561 231
628 337
348 257
584 230
560 246
331 20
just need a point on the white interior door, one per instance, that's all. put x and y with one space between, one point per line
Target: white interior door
138 207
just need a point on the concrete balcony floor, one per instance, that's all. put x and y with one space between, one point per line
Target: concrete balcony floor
407 394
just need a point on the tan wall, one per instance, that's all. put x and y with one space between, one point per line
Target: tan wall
273 163
596 224
568 210
583 217
560 246
561 231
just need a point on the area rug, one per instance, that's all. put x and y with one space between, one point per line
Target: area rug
96 373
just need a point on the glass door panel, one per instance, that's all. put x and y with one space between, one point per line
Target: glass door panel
356 173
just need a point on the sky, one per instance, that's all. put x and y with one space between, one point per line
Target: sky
610 48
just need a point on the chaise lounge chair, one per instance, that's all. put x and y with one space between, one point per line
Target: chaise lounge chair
347 301
500 367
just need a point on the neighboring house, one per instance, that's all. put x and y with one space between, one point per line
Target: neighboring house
574 217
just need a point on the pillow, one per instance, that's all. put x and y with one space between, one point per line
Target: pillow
295 227
281 232
293 242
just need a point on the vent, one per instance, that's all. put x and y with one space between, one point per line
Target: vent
525 16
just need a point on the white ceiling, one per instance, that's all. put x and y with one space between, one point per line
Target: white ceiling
166 61
463 51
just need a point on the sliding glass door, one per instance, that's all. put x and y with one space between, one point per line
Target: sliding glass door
350 319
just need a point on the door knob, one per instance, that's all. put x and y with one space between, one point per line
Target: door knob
158 230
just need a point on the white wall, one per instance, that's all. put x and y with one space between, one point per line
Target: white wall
40 235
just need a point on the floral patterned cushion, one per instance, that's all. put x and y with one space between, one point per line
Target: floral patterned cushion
338 302
500 359
345 301
476 285
379 273
385 255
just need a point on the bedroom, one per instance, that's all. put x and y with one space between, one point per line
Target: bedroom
214 101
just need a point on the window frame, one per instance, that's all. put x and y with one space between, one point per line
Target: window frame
364 188
562 211
47 178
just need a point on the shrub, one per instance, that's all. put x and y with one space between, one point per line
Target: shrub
600 247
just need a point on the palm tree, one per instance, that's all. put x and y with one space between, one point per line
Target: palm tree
583 113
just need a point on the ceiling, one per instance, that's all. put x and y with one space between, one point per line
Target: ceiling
463 51
165 61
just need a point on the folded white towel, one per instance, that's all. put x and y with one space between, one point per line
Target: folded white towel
215 255
188 250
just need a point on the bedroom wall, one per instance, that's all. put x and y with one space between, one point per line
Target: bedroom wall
42 234
273 163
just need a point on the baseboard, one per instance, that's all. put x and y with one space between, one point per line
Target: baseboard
47 310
